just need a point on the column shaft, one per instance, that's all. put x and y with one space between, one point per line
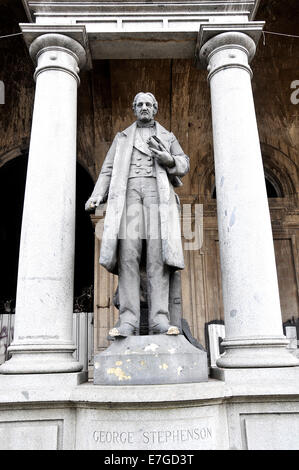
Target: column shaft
43 326
253 323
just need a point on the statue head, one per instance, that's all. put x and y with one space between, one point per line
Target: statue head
145 106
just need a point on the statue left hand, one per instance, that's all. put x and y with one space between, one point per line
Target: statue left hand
163 157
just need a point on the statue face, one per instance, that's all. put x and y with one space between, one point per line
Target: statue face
144 108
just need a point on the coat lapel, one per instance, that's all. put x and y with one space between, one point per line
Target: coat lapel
140 145
163 135
121 164
163 190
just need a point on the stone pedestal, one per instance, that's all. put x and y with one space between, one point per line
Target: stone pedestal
253 323
44 307
254 409
150 360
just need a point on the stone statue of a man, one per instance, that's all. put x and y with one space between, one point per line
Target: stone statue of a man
142 223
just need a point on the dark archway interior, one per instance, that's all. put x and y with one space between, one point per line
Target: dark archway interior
271 190
84 247
12 188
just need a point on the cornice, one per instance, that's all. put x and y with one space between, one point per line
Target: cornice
35 8
140 29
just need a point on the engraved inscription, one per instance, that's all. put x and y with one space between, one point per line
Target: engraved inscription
165 436
164 432
114 437
178 435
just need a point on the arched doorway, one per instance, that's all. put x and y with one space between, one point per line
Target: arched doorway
12 189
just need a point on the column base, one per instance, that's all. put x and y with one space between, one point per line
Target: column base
37 359
258 379
256 352
49 383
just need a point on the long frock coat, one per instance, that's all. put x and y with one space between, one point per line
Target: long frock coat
112 185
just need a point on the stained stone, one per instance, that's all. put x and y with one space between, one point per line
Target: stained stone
149 360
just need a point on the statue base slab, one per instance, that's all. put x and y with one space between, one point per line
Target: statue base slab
150 360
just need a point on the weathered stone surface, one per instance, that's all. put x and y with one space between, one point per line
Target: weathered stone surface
246 412
29 436
181 429
155 359
272 431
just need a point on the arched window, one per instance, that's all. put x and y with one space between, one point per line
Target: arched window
271 190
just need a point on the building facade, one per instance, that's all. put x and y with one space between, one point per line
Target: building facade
228 92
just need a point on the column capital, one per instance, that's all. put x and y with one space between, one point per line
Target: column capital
227 50
71 37
57 52
228 40
52 41
225 36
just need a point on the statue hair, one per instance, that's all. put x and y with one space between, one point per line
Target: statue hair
155 102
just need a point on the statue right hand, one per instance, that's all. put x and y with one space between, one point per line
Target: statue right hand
93 203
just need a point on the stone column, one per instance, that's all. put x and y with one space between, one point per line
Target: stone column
43 324
253 323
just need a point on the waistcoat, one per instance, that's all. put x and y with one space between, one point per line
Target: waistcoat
142 163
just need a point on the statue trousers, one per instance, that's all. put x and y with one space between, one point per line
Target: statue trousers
140 229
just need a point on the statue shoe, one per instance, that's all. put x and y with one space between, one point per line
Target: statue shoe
122 331
166 330
173 330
